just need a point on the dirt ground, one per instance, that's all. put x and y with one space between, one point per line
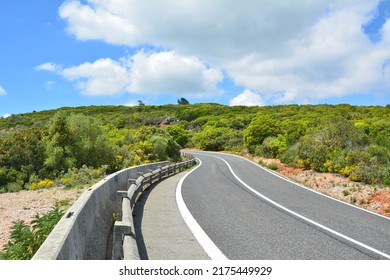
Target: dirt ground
25 205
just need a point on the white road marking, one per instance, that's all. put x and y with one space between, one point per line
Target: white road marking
306 188
207 244
303 217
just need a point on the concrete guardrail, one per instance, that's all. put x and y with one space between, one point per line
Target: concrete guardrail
124 239
84 232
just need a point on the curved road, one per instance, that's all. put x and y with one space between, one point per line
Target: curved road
251 213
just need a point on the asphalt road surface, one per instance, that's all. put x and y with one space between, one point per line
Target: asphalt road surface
251 213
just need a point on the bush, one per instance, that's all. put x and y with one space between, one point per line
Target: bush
371 174
273 147
83 176
213 138
14 186
259 129
290 156
44 184
272 166
25 239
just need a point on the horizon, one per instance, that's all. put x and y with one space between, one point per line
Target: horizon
264 53
200 103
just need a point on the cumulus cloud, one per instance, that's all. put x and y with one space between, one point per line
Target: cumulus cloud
168 72
332 59
218 28
247 98
145 73
2 91
102 77
289 51
98 22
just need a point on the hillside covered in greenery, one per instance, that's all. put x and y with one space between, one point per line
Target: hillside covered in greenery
69 146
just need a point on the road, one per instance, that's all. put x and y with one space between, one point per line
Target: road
250 213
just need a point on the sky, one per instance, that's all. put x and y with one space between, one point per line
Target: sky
255 52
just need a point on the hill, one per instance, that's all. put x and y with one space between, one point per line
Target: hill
56 144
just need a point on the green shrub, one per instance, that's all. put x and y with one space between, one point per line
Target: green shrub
259 129
83 176
14 186
272 166
290 156
273 147
25 239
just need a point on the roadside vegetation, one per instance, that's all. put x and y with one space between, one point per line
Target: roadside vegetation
75 147
25 239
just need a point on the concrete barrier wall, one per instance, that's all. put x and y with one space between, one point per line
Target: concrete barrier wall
83 231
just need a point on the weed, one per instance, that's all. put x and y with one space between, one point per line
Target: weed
346 192
64 202
272 166
26 239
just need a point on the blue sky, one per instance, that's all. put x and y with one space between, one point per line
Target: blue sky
76 53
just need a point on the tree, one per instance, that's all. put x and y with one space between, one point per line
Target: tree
213 138
328 142
183 101
273 147
179 134
260 128
90 144
76 140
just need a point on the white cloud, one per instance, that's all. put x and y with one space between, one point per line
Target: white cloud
168 72
218 28
289 51
145 73
2 91
247 98
48 66
98 22
325 63
102 77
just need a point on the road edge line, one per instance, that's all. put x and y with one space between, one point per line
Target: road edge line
200 235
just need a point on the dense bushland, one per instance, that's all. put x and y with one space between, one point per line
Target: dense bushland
55 147
73 149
